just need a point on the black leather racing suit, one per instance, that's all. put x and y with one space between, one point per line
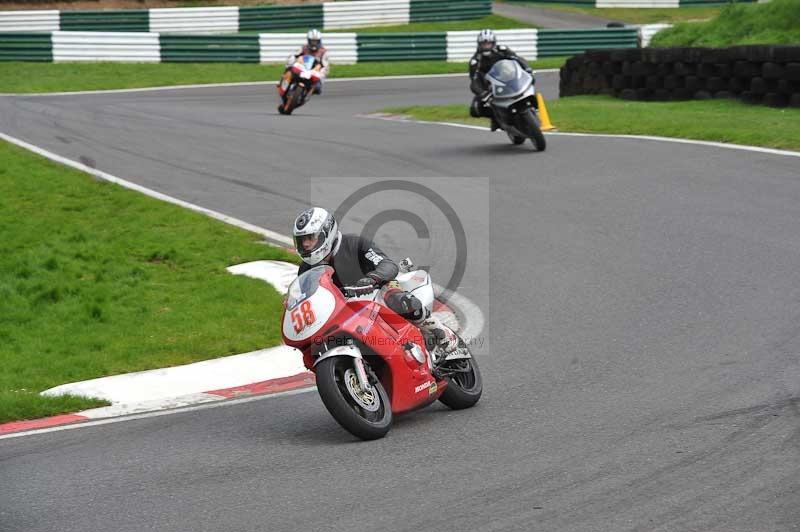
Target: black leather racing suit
479 66
356 257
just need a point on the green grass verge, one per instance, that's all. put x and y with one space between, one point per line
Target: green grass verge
495 22
98 280
18 77
714 120
776 22
636 15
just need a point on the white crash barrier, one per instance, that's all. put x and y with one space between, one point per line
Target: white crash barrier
106 46
366 13
29 20
462 44
195 20
276 47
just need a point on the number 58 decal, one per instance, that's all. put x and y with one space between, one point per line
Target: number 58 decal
303 316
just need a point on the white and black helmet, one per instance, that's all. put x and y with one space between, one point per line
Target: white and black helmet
314 39
318 226
486 41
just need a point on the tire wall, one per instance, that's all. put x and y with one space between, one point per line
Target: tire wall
768 75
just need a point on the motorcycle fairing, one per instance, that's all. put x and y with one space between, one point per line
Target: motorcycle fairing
509 80
373 328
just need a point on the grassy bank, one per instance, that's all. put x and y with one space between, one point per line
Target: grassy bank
18 77
714 120
635 15
98 280
496 22
776 22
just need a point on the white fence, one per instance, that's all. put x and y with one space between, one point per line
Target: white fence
462 44
366 13
276 47
101 46
195 20
29 20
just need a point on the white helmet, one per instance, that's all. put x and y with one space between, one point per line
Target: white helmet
314 39
486 42
315 234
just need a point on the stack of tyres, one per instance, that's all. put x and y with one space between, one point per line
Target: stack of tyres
768 75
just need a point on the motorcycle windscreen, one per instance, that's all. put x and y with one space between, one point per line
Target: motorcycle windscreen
308 61
304 286
508 79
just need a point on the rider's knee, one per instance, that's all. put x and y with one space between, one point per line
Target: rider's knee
474 109
406 305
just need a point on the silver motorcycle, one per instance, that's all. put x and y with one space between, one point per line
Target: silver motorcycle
512 99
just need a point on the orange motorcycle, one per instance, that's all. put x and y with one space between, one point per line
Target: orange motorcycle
297 84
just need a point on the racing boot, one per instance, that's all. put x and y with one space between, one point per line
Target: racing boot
495 125
443 336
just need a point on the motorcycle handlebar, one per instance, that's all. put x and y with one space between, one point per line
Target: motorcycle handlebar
356 291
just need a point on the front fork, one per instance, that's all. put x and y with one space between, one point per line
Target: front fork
361 374
358 362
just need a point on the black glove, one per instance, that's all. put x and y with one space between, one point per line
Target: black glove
366 281
365 285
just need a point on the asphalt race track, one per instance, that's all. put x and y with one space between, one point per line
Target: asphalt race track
642 355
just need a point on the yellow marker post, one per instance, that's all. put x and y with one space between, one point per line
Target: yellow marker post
543 116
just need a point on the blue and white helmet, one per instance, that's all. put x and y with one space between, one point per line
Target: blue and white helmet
316 234
314 39
486 41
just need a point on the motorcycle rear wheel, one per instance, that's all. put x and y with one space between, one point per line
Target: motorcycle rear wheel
464 388
345 407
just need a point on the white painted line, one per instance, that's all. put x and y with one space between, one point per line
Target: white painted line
240 84
181 410
215 85
277 237
770 151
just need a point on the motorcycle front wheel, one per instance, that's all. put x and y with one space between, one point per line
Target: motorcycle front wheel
291 101
366 414
516 139
464 382
531 127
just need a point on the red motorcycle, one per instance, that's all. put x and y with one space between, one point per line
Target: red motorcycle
295 88
369 362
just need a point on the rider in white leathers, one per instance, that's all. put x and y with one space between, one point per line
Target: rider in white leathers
313 47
